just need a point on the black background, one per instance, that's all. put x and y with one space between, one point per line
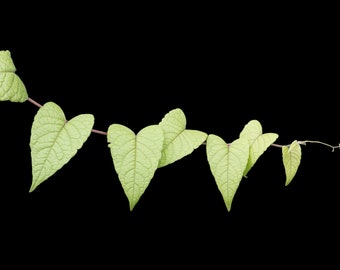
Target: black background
223 67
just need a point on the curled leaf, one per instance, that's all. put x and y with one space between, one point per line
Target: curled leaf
291 157
258 142
178 141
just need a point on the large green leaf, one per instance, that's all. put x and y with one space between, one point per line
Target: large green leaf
178 141
258 142
11 86
227 164
291 157
135 157
54 140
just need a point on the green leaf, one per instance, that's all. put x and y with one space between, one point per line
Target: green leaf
135 157
11 86
54 140
291 157
258 142
227 164
178 141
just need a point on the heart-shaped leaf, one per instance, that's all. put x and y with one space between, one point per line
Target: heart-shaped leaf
54 140
227 164
258 142
135 157
11 86
178 141
291 157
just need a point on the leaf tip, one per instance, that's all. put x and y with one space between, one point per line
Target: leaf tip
32 188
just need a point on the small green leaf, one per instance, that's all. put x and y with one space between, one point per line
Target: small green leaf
11 86
227 164
258 141
135 157
291 157
178 141
54 140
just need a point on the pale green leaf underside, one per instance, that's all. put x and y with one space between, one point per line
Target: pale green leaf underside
11 86
6 62
178 141
54 140
291 157
258 142
135 157
227 164
251 131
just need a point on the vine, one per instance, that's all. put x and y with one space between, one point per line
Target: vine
55 140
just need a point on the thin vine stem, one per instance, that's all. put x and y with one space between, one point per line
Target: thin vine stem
309 141
34 102
273 144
